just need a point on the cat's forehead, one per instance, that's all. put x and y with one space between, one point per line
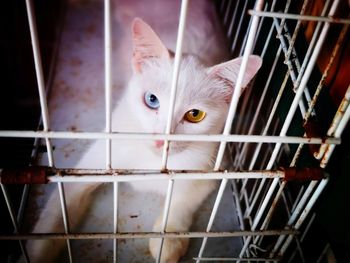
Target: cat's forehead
193 82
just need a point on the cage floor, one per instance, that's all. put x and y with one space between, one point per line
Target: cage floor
77 103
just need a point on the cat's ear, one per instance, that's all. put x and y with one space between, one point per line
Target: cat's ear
227 72
146 44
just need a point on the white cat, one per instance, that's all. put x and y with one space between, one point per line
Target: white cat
203 96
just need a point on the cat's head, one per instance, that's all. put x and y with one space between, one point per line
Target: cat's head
203 93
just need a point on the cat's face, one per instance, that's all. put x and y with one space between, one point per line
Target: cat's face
198 108
203 94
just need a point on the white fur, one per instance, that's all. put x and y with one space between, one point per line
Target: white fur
200 87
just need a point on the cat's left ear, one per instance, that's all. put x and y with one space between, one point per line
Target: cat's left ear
228 71
146 45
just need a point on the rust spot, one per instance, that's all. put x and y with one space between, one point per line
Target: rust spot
303 174
25 175
73 128
90 29
312 130
165 171
75 62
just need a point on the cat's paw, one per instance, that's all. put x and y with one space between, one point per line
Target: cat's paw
173 249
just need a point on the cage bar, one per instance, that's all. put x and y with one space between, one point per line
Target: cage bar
229 120
177 61
165 216
108 78
43 105
133 235
289 119
329 19
14 221
172 137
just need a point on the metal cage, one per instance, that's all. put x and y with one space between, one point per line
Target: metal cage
279 137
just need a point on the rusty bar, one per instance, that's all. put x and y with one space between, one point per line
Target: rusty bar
327 19
296 31
320 151
25 175
340 114
311 129
303 174
246 259
133 235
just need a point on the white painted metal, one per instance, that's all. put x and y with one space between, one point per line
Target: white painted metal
249 204
288 120
97 176
108 78
171 137
231 114
177 61
14 221
165 215
44 108
328 19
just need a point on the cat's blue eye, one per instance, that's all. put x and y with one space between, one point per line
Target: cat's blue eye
151 100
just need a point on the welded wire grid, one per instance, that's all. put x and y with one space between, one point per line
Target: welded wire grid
258 141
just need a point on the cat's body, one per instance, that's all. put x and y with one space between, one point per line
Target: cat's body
201 86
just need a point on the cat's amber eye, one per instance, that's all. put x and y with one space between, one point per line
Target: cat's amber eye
194 115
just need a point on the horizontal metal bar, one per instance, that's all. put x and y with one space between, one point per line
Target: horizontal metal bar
328 19
171 137
239 259
54 175
133 235
99 176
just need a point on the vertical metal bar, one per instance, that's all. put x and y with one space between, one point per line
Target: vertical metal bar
177 61
233 18
212 216
283 21
108 113
269 121
237 90
337 134
231 114
291 114
227 11
336 120
303 235
301 204
305 213
288 62
165 216
39 75
43 104
222 6
65 217
261 100
323 253
14 221
238 204
296 30
311 46
238 30
115 221
108 77
22 203
240 117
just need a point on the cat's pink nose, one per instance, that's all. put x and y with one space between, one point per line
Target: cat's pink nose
159 143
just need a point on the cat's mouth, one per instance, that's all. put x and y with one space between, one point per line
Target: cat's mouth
174 147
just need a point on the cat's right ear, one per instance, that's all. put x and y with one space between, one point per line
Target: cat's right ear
227 73
146 45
